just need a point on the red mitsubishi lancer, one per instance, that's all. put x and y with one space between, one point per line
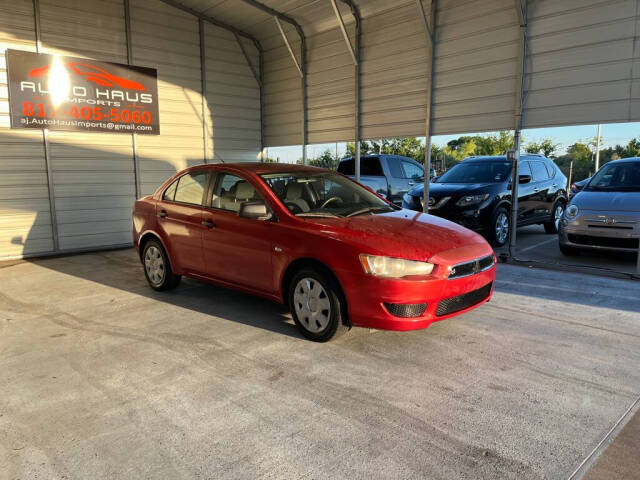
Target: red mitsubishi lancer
336 253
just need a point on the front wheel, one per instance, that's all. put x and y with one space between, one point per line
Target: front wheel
157 268
551 226
317 305
500 226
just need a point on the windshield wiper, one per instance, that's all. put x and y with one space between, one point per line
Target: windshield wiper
369 210
317 214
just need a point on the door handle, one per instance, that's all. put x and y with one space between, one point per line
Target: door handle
208 223
163 214
411 184
536 189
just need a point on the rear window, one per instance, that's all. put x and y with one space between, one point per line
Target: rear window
191 188
369 166
539 171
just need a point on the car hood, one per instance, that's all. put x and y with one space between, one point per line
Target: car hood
608 201
450 189
407 234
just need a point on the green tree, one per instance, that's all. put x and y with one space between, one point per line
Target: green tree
545 147
326 160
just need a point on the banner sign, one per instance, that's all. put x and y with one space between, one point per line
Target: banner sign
67 93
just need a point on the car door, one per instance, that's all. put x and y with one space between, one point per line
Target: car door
413 173
541 191
398 184
237 250
525 193
179 220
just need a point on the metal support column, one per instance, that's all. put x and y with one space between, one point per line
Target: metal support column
431 49
354 50
136 162
521 8
203 88
45 142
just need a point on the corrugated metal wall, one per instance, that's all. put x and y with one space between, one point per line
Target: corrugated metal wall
282 89
25 218
476 67
233 97
168 39
393 72
93 174
583 61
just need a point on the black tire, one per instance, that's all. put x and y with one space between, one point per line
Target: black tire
497 239
551 226
320 325
569 251
157 268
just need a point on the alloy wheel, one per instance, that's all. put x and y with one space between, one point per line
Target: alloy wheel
557 214
154 265
312 305
502 227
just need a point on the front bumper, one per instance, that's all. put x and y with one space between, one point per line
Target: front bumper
368 297
608 231
474 217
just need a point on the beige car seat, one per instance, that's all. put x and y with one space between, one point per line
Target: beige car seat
294 195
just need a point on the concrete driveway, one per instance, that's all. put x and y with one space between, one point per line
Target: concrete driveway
100 377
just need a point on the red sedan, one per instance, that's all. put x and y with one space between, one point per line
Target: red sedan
336 253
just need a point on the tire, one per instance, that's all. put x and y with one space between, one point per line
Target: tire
317 305
157 268
569 251
557 211
498 230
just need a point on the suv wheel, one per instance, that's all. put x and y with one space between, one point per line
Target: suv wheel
500 226
557 211
157 268
317 305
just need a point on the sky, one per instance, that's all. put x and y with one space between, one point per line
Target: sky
612 134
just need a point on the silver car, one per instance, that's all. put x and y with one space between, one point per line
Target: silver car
605 215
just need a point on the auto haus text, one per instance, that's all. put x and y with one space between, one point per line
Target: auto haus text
108 97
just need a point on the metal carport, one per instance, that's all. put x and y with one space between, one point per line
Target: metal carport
236 76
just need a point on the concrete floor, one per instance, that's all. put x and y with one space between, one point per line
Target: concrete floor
100 377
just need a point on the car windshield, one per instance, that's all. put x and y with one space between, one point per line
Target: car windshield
477 172
616 177
323 194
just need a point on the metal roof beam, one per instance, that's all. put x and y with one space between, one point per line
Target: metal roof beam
286 42
344 31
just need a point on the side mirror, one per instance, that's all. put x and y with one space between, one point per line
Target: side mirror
255 210
524 178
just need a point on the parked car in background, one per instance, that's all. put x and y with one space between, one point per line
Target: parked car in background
334 252
476 193
605 215
390 176
577 186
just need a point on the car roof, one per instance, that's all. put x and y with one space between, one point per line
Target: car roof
625 160
258 168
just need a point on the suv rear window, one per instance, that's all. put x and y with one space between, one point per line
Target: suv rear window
539 171
369 166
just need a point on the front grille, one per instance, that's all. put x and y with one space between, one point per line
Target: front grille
612 242
460 302
471 268
406 310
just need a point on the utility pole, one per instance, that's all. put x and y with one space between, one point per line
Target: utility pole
598 149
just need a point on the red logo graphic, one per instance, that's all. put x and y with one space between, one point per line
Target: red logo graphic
93 74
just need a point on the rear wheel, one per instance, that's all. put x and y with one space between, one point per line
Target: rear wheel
317 305
557 211
157 268
500 226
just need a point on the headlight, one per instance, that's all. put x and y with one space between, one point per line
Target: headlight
571 212
471 200
394 267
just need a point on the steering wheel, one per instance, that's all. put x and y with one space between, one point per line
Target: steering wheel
329 200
